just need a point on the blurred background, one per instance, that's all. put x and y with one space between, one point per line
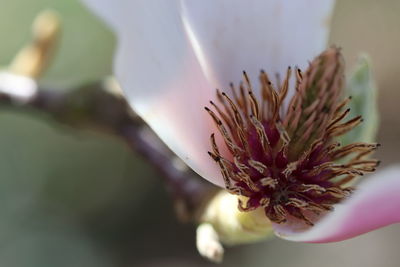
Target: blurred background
80 198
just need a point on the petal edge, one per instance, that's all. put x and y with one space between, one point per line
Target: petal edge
375 204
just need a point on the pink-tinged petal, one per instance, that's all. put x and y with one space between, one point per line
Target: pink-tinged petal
374 204
161 77
230 36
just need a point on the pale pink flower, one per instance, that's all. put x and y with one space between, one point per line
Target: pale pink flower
172 55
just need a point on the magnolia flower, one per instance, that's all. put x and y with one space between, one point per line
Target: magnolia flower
173 54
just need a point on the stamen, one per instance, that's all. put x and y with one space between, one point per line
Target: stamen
284 159
269 182
259 166
285 86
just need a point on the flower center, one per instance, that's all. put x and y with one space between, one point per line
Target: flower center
286 160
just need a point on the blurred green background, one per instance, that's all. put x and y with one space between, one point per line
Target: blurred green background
80 198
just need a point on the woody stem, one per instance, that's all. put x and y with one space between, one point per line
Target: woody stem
109 113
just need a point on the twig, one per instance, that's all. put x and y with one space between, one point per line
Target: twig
95 107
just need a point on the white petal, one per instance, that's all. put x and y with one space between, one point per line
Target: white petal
161 76
375 204
235 35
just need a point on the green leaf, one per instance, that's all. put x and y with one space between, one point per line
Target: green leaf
362 89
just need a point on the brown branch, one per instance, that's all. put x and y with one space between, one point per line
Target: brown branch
95 107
